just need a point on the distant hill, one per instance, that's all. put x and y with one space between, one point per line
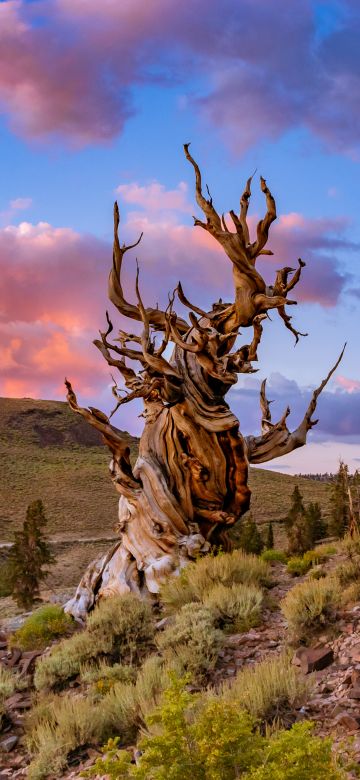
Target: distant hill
48 452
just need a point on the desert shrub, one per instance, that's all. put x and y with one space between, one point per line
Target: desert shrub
326 549
65 659
348 572
274 555
296 567
197 579
310 605
125 624
317 573
268 690
351 594
238 605
120 626
102 676
192 641
69 723
314 557
45 624
207 738
350 545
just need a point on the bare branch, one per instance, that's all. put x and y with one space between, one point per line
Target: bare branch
278 440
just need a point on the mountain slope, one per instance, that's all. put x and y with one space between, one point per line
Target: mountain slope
48 452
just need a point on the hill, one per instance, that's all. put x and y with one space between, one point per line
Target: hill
48 452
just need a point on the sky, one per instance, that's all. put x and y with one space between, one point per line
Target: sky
96 101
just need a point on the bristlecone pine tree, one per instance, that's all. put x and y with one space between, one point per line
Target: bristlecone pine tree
190 481
28 556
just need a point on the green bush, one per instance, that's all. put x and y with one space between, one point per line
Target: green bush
274 555
197 579
348 572
120 627
47 623
268 690
310 605
207 738
103 677
238 606
297 567
192 642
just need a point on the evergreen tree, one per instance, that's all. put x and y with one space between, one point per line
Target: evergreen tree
317 526
29 554
340 502
249 537
297 526
270 537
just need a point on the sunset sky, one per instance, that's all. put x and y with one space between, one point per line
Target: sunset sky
97 98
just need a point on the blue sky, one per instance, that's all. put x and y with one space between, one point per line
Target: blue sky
100 96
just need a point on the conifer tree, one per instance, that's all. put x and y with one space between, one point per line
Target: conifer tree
317 526
297 526
340 502
249 539
29 554
270 537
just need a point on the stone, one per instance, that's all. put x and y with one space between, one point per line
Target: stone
348 720
8 744
354 693
14 657
314 659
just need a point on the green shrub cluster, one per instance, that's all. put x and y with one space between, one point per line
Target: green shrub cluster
45 624
297 566
273 556
192 642
208 738
120 627
197 579
310 605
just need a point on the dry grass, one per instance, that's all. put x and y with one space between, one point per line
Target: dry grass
268 690
192 642
120 626
237 607
310 605
197 579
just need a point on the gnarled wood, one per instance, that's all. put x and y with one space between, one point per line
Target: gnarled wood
189 483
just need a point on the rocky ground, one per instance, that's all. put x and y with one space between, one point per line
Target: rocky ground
333 660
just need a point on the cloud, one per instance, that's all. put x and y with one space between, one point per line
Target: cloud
350 385
20 204
155 197
53 287
261 69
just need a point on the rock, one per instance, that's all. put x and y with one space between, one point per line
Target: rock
354 693
312 659
14 658
354 653
8 744
27 663
348 720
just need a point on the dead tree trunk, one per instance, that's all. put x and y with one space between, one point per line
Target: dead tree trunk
189 483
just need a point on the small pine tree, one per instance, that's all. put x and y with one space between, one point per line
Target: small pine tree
297 526
249 538
270 537
317 526
340 502
29 554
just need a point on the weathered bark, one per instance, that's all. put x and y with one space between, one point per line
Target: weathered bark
189 483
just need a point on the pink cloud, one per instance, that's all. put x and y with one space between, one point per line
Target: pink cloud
350 385
53 284
155 197
262 68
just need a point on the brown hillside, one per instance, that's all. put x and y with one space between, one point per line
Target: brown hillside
48 452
